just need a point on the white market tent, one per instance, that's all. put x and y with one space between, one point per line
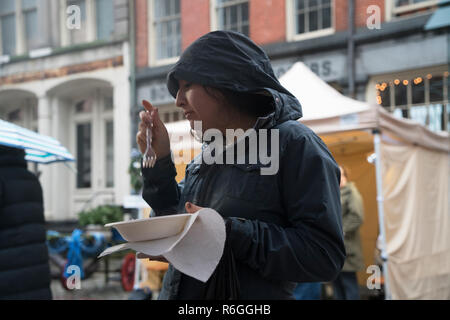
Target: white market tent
411 180
405 194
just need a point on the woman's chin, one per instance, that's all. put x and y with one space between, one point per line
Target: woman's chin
195 123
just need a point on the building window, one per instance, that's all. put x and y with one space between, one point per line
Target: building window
312 15
104 15
233 15
404 3
96 21
406 7
78 35
166 30
7 27
421 96
84 155
109 161
15 116
30 20
18 26
309 18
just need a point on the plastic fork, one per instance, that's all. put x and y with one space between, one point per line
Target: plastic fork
149 158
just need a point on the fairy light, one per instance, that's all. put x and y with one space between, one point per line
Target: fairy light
397 82
378 99
429 76
417 80
405 82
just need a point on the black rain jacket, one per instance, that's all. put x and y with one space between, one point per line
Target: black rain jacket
285 227
24 265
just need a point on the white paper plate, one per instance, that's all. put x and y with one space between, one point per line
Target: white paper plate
151 228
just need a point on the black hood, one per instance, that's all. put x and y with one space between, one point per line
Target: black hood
12 157
230 60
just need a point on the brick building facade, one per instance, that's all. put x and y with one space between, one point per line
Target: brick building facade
400 47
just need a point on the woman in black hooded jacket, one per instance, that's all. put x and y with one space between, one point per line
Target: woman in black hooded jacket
24 266
283 227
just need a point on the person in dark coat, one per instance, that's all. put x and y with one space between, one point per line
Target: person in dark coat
283 227
24 266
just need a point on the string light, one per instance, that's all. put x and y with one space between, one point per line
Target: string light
405 82
417 80
429 76
396 81
378 99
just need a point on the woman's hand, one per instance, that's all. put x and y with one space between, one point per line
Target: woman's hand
190 208
160 141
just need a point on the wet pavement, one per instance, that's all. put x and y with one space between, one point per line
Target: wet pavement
94 287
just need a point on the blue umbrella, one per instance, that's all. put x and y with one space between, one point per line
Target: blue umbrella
38 148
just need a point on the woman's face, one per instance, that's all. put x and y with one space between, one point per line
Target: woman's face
199 105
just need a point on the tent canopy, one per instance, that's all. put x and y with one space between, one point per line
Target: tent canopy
412 177
327 111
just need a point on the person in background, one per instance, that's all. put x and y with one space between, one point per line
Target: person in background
24 266
346 284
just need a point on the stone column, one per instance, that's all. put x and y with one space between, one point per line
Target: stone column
45 128
122 145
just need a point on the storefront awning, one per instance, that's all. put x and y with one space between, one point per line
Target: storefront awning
440 17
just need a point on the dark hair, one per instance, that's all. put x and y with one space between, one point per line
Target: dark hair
249 103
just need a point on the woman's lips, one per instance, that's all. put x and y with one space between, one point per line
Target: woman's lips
188 115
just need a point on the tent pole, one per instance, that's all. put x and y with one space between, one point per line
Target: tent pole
380 200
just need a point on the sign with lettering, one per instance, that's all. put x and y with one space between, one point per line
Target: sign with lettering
329 68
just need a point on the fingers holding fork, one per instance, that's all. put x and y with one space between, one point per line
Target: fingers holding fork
149 158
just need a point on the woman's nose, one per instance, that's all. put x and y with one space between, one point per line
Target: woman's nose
180 99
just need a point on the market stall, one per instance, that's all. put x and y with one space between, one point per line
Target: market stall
405 193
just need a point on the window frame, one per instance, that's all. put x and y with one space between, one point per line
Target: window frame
214 7
95 23
291 33
392 11
23 11
106 115
153 61
410 75
91 23
20 32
